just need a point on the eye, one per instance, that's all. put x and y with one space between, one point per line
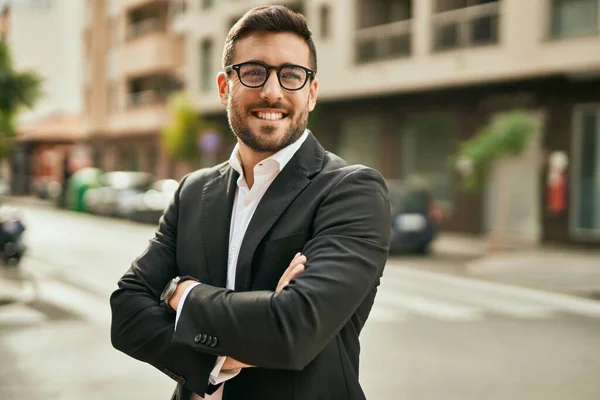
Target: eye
254 71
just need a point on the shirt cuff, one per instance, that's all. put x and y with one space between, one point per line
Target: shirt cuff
180 305
217 376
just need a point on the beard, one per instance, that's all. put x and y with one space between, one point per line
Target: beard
267 140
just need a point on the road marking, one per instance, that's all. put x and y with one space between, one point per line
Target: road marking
382 313
87 306
428 307
554 301
20 314
475 299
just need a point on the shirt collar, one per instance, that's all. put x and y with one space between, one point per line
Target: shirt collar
282 157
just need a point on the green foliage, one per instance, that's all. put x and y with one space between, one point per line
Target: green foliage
180 135
17 90
507 135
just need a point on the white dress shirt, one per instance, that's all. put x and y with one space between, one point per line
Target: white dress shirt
245 203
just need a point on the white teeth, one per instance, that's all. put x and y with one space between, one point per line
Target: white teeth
270 116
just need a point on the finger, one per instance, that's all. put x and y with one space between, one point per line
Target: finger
295 272
290 270
299 258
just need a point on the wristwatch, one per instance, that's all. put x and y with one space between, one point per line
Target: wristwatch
169 291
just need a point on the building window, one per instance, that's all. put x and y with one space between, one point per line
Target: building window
324 21
151 90
574 18
207 78
426 145
147 20
465 23
384 30
587 171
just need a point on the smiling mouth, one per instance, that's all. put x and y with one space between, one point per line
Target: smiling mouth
269 116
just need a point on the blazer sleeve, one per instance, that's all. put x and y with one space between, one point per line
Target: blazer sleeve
287 330
140 328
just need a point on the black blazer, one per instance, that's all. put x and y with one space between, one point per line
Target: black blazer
303 340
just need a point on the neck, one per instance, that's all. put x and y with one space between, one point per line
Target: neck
249 158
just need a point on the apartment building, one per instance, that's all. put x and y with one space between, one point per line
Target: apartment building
404 82
4 21
133 63
44 36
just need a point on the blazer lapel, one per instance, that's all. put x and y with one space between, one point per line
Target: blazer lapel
294 177
215 210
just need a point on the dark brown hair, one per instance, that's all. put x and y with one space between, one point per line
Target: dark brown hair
274 18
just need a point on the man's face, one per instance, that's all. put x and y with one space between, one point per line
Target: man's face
268 118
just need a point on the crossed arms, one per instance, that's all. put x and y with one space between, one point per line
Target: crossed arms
269 329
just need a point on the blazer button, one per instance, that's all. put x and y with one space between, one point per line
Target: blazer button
198 338
213 342
205 338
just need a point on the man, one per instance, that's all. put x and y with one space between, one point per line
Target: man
214 297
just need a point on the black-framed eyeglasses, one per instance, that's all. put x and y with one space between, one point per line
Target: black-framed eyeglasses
254 74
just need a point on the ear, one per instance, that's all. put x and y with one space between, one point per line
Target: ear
223 87
312 94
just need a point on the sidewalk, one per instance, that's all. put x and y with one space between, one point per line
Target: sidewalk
565 270
28 201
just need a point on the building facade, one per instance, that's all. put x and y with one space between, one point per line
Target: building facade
404 82
134 62
44 36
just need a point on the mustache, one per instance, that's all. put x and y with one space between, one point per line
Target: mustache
265 104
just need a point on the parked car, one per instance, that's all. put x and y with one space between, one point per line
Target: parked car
116 195
46 188
150 205
416 216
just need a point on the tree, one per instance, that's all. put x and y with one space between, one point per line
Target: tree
18 90
180 137
507 135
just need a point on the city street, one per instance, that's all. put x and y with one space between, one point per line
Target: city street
430 336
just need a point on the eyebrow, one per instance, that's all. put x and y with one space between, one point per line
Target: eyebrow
285 64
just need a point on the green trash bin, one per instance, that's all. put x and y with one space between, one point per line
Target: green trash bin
79 183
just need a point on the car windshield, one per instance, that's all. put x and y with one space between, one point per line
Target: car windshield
408 197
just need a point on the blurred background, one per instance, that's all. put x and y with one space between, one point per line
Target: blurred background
483 116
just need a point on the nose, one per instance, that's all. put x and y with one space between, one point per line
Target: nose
271 90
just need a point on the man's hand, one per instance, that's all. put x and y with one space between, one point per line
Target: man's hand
181 287
295 268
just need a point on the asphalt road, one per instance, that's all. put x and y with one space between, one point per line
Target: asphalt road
430 336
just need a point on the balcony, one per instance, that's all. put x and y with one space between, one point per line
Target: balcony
152 53
383 31
129 4
149 119
151 90
470 26
383 42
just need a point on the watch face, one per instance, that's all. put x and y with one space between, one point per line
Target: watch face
169 290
